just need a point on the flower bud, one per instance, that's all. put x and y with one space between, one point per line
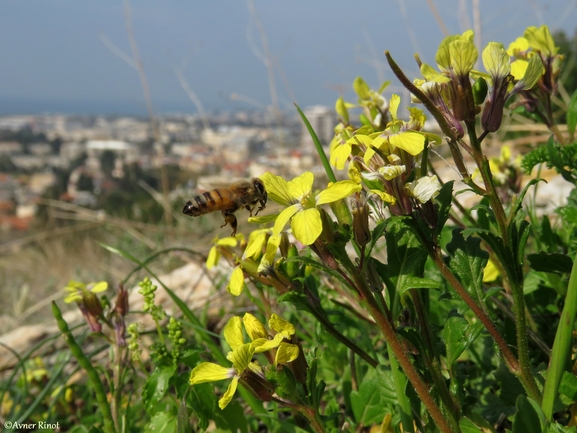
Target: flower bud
360 210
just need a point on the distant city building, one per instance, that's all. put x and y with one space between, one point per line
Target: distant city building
10 147
323 121
16 123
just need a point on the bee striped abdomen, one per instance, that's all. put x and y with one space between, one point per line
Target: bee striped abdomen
208 202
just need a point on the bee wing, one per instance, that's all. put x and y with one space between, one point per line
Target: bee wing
217 184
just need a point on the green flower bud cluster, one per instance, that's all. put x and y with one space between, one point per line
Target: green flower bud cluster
147 290
175 336
133 342
159 353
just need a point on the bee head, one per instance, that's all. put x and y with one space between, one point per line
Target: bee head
260 189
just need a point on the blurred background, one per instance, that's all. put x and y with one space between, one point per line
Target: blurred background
114 114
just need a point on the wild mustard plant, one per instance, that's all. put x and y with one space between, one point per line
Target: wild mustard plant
392 305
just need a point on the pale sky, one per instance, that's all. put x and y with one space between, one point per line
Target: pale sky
63 55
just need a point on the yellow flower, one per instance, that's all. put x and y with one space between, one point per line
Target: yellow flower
402 135
491 272
76 289
214 253
424 189
241 353
301 204
210 372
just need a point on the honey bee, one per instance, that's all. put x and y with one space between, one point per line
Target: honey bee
241 194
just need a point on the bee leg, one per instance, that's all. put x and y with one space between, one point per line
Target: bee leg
229 218
261 207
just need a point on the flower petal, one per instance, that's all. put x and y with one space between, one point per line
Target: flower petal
229 241
284 217
236 283
337 191
518 68
464 54
491 272
409 141
286 353
540 39
277 189
256 241
307 225
340 154
233 332
394 105
386 198
496 60
535 70
281 325
301 185
76 296
209 372
254 328
98 287
425 188
263 219
519 45
241 357
213 258
272 247
389 172
227 396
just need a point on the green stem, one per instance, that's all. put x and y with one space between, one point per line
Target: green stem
508 355
525 373
515 278
400 386
491 192
422 389
84 362
342 338
312 417
431 358
551 121
561 346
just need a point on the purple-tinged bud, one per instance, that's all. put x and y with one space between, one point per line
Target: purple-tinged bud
91 319
462 99
360 211
121 307
493 110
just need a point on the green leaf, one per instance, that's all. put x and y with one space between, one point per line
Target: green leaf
376 391
231 418
467 261
445 200
156 385
405 254
411 282
316 264
161 422
572 116
492 292
375 236
183 420
554 262
202 400
509 386
527 419
318 146
497 245
467 426
459 335
568 385
518 201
